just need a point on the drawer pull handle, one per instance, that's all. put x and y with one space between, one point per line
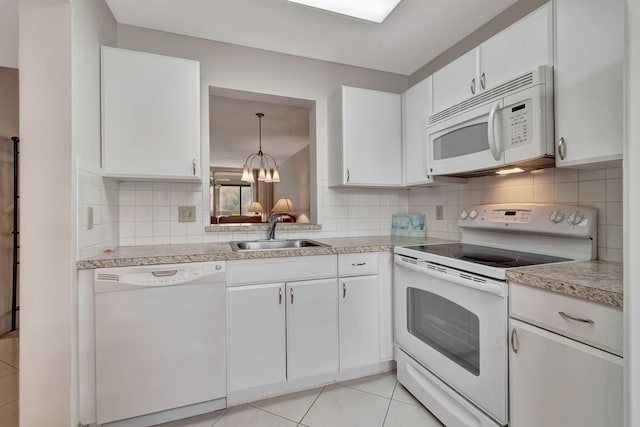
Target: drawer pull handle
514 340
291 295
358 264
344 290
577 319
279 296
167 273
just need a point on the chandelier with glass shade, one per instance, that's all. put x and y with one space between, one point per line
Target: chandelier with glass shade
268 171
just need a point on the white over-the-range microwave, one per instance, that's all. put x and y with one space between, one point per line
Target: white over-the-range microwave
508 126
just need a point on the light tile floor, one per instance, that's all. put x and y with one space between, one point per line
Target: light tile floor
9 351
378 400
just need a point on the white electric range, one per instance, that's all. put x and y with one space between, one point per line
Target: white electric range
451 303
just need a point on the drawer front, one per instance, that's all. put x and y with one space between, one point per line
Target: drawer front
357 264
272 270
542 308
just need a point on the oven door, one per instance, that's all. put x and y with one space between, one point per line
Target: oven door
455 325
467 142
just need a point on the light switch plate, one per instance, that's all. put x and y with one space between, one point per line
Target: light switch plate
186 214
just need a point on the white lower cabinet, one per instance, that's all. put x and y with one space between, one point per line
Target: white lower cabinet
312 328
292 325
359 315
556 381
559 381
256 342
281 332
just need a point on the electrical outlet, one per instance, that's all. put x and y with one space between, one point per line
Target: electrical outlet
439 212
90 218
186 214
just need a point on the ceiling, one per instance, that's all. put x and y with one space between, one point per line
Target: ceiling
234 130
414 33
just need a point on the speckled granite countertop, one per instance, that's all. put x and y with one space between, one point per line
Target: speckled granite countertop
599 281
198 252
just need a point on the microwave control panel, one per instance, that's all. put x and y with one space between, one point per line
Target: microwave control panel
519 123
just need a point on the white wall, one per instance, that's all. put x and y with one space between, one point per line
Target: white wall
9 33
294 182
47 217
59 124
234 67
601 189
631 209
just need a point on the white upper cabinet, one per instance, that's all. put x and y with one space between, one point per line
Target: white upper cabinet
365 138
517 49
455 82
150 116
588 82
416 108
521 47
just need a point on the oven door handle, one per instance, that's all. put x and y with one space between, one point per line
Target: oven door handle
488 286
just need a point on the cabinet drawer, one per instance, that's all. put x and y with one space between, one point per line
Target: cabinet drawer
541 307
357 264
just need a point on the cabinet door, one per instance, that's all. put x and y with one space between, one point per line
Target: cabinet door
415 116
312 328
359 321
518 49
453 83
150 115
555 381
256 336
588 81
372 137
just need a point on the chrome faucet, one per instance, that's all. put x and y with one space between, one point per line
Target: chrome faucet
274 219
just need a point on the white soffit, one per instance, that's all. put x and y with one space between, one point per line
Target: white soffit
369 10
414 34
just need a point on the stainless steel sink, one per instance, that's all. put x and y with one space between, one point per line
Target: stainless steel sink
262 245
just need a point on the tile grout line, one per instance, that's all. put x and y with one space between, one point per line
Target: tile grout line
271 413
384 420
313 403
226 411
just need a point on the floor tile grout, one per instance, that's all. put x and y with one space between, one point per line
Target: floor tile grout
312 403
271 413
384 420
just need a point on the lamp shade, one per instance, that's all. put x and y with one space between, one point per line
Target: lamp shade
256 207
283 206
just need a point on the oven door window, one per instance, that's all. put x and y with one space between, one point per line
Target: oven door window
446 327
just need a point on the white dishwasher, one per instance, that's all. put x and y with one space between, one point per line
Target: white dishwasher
160 341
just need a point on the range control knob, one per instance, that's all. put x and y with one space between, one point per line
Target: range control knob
473 214
464 214
575 218
556 217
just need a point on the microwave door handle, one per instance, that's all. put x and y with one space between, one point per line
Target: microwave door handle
493 143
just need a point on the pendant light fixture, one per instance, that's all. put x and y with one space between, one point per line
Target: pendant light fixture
268 171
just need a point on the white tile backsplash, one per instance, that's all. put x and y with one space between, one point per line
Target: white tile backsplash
137 213
103 196
601 189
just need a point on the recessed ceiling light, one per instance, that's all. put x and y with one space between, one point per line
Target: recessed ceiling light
369 10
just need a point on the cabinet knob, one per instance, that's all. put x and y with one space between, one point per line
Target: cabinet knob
473 86
562 148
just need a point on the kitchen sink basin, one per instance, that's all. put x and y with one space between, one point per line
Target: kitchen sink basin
261 245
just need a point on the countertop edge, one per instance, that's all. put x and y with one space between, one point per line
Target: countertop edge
566 287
